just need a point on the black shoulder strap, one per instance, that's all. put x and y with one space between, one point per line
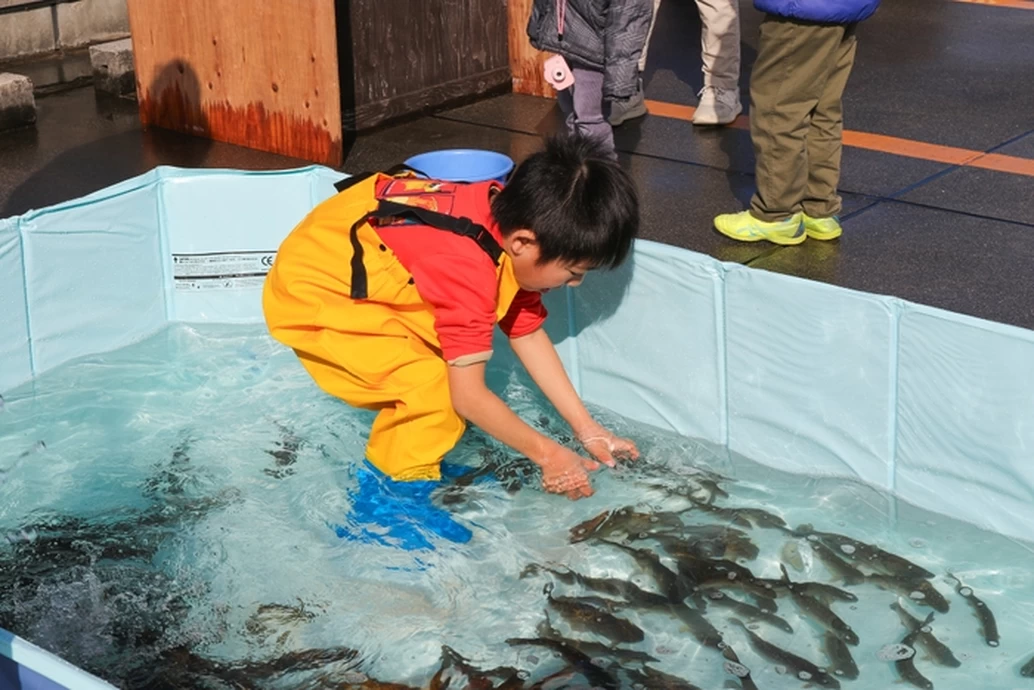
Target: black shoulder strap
390 209
460 226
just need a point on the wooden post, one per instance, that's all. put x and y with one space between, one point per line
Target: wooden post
525 61
258 74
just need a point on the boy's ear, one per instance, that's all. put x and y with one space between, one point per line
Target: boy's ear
521 241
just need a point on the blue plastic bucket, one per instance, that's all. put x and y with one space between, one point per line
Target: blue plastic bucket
463 165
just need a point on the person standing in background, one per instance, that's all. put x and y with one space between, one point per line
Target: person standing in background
720 52
601 41
805 55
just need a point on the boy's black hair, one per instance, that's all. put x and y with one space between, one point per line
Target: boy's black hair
581 205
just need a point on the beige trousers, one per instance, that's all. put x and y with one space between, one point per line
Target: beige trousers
719 41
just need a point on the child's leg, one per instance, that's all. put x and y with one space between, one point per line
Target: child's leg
825 137
582 103
409 386
720 42
410 435
649 35
794 64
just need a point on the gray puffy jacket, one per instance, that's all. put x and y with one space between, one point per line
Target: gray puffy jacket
605 34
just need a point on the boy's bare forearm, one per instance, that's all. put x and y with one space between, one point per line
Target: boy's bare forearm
476 403
538 355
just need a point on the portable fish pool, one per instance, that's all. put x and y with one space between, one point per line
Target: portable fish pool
835 488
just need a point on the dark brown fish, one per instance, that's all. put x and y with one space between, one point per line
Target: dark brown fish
840 659
699 627
938 651
819 612
988 626
819 590
624 521
668 582
1028 669
802 668
708 541
837 566
658 680
703 570
738 669
580 662
921 592
906 668
594 650
604 585
751 613
731 515
455 668
866 554
583 616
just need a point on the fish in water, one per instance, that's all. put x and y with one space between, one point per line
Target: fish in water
707 541
937 650
604 585
625 521
836 565
658 680
840 659
703 570
802 668
699 627
593 650
1027 671
791 554
820 612
819 590
751 613
920 591
669 583
582 663
588 618
472 678
866 554
987 620
286 455
736 668
906 667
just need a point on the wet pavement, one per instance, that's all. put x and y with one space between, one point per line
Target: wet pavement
941 78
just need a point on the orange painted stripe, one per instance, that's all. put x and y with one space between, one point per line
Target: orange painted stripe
884 144
1015 4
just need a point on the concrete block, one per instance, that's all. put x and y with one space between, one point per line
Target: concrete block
26 33
90 21
17 104
113 67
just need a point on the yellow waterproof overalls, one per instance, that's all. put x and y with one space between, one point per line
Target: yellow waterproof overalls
349 309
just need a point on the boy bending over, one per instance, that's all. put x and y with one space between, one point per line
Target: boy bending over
389 291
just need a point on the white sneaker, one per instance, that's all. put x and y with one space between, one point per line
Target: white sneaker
717 106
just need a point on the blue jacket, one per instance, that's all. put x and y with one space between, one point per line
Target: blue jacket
824 11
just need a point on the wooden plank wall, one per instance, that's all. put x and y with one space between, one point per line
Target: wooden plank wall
258 74
407 60
525 61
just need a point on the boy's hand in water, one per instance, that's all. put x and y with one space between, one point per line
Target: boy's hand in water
606 446
566 472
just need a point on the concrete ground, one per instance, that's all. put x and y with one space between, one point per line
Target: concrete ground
938 206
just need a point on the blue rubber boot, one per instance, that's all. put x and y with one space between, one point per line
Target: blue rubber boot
402 510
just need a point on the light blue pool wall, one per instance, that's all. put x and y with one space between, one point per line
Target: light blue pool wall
934 406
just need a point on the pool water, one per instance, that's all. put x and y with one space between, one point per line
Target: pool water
169 513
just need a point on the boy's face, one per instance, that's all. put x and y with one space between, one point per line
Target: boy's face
535 276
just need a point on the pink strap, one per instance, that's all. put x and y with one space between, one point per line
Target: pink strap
561 10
